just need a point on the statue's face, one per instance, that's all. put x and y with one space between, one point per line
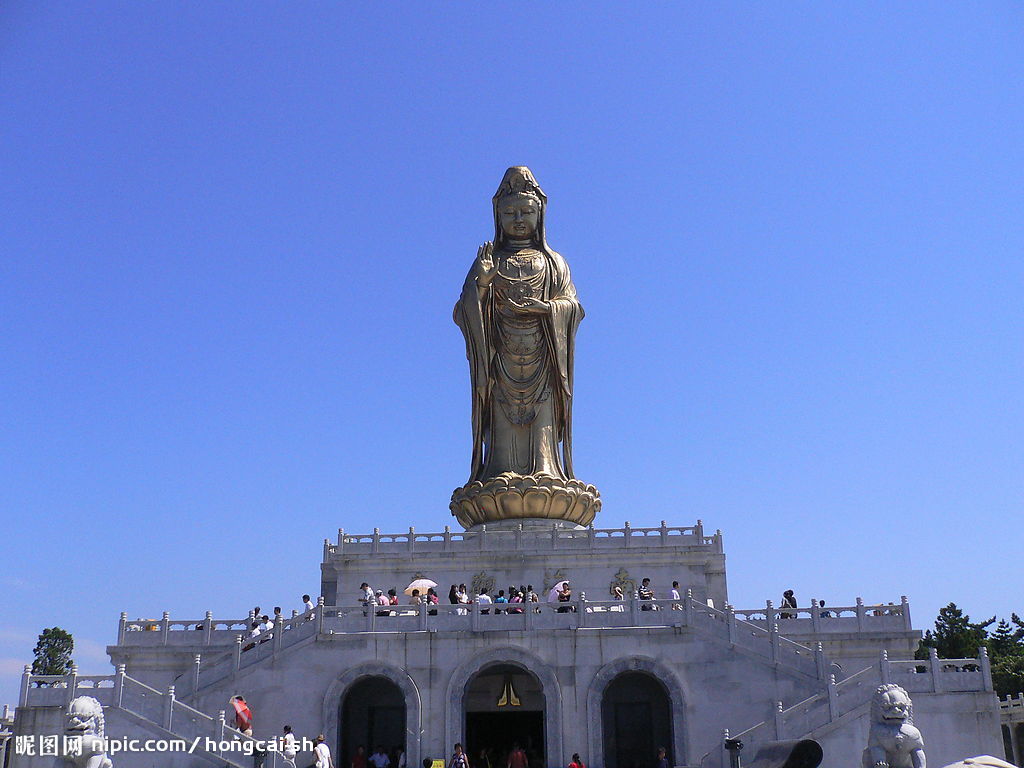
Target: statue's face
81 718
519 216
895 707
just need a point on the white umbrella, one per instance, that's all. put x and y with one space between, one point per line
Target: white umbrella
553 594
421 584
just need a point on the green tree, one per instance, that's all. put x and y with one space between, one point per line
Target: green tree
53 652
1008 675
1005 641
955 635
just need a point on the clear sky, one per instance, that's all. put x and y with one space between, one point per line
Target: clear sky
233 233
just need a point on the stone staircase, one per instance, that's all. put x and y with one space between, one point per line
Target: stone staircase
205 737
816 716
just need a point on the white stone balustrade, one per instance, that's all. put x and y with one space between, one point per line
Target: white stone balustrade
881 618
505 539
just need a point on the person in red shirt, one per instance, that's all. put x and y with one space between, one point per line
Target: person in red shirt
243 715
517 758
359 758
576 762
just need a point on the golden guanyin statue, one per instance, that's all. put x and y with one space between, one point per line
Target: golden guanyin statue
519 312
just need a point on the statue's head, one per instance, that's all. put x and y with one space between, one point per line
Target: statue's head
84 717
891 704
519 208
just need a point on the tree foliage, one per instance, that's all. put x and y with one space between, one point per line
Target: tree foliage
957 637
53 652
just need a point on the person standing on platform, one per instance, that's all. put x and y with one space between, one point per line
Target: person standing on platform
289 749
662 758
459 759
322 754
576 762
380 758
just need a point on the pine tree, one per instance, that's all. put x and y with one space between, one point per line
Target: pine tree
53 652
1005 641
955 635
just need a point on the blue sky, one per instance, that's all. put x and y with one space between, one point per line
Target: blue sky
232 236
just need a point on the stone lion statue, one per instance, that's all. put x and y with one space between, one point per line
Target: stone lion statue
893 741
85 740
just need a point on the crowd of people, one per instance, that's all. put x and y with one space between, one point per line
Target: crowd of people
261 627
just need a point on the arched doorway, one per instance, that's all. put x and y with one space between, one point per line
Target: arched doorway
636 719
504 705
372 714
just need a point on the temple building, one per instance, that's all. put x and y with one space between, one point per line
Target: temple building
609 662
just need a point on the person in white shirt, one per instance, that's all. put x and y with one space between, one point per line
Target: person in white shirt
379 759
484 599
675 596
288 747
322 754
308 606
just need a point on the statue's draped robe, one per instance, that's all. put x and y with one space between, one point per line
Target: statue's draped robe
499 443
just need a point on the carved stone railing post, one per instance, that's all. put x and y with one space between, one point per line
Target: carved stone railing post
423 615
447 538
375 544
769 613
815 616
122 627
664 533
197 660
483 536
371 616
986 668
238 652
776 645
519 537
627 534
169 708
119 685
688 608
699 531
165 627
554 536
278 639
905 610
833 698
320 615
530 613
934 669
327 549
71 681
341 541
861 613
474 616
26 677
730 620
634 607
884 668
779 726
208 628
819 661
581 609
412 539
218 729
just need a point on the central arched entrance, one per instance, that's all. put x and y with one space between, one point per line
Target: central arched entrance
372 714
504 705
636 716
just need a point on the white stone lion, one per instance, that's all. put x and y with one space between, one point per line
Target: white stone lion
84 735
893 741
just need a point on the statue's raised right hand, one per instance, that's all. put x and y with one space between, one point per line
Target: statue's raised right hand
486 269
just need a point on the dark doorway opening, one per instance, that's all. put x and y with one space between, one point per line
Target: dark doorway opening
496 732
636 715
372 714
